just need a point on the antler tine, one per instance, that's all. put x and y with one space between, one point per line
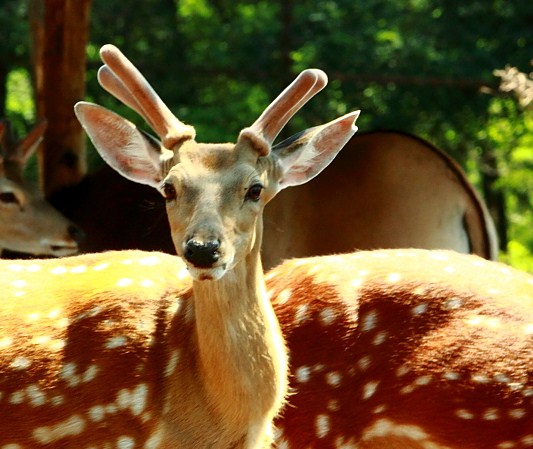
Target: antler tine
109 81
26 147
152 109
266 128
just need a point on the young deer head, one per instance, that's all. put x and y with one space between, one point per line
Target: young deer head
28 223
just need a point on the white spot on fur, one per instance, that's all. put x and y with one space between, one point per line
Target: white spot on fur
384 428
303 374
369 321
480 378
15 267
53 314
517 413
402 370
125 442
408 389
322 425
147 283
364 363
101 266
124 282
369 390
333 378
116 342
284 295
20 363
421 290
90 373
506 445
491 414
380 338
35 395
58 270
70 427
301 313
17 397
134 399
503 378
172 363
379 409
394 277
19 283
453 303
423 380
451 375
484 321
68 374
78 269
419 309
96 413
327 316
183 273
464 414
5 342
527 440
155 440
57 400
333 405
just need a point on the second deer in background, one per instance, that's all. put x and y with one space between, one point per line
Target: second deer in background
28 223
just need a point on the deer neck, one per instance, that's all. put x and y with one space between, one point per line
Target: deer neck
241 352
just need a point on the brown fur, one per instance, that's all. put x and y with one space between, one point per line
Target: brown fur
400 348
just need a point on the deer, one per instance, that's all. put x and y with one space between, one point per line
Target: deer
402 191
404 348
28 223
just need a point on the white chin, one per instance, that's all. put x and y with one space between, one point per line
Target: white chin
207 274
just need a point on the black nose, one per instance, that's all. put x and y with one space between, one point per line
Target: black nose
202 254
76 234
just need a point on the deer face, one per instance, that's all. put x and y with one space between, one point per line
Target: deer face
215 195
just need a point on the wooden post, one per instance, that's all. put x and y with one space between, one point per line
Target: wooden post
60 29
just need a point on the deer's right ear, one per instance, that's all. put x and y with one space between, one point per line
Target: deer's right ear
128 150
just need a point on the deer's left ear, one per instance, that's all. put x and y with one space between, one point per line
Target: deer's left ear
304 155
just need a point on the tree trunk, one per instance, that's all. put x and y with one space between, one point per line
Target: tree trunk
494 196
60 29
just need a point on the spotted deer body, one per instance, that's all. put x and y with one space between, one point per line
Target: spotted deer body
405 349
145 350
383 353
28 223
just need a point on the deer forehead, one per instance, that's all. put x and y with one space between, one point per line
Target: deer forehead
216 170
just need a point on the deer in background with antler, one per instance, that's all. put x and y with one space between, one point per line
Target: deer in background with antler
401 348
28 223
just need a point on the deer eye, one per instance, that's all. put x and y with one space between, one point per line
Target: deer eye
254 192
169 191
8 198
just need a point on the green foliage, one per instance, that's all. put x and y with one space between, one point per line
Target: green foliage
19 101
